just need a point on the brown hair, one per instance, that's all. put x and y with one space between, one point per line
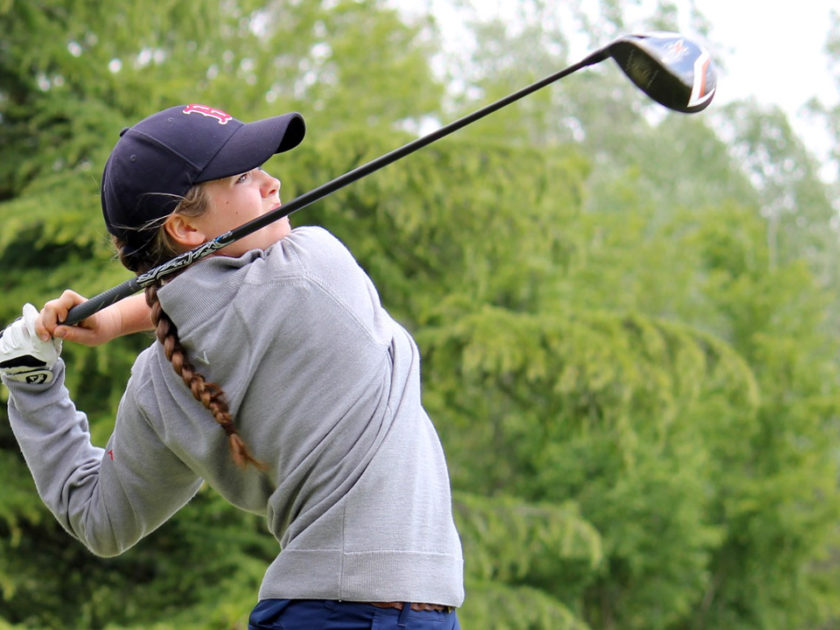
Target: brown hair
160 249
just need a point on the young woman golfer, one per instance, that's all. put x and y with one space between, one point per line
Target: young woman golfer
277 378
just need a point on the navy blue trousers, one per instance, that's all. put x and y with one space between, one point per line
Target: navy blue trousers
306 614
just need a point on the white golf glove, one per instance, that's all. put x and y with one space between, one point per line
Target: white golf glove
23 356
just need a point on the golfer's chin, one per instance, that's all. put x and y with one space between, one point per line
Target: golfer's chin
283 229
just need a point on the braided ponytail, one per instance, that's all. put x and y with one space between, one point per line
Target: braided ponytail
208 394
211 395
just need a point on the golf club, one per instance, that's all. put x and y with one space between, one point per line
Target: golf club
671 69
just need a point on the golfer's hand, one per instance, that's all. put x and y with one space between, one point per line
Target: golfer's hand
127 316
97 329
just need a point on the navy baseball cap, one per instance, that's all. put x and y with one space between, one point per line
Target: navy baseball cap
159 159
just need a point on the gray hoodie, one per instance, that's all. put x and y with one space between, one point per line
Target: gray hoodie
323 385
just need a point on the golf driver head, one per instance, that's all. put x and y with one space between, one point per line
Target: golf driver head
670 68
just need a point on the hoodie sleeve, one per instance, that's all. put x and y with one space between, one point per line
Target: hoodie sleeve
107 498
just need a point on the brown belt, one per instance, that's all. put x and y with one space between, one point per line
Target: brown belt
414 606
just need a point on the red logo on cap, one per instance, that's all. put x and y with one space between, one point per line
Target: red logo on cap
210 112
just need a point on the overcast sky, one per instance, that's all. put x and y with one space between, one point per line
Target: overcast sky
773 51
777 48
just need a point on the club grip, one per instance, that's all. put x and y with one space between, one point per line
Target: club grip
97 303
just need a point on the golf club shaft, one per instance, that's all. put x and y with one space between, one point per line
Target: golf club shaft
129 287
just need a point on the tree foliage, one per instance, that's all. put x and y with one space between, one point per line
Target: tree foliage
627 323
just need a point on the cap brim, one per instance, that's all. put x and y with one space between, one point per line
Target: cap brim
253 144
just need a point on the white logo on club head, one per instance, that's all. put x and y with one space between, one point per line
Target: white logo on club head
676 51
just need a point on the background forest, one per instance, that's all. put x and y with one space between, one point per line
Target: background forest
628 318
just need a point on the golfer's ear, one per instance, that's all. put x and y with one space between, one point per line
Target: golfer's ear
181 229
